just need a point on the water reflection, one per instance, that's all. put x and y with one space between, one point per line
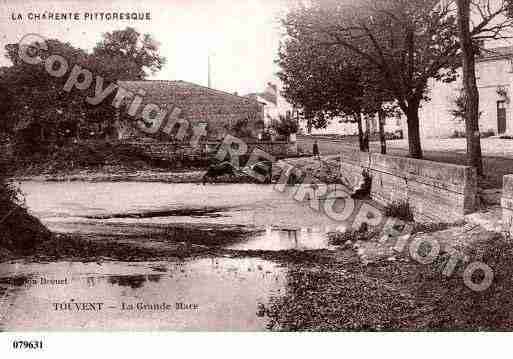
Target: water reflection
226 292
133 281
275 239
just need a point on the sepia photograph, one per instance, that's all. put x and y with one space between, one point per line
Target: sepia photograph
255 166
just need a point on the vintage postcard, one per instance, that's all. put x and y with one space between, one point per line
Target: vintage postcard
256 165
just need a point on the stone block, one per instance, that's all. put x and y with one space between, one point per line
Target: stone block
436 191
507 186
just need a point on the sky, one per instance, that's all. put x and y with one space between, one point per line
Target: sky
242 36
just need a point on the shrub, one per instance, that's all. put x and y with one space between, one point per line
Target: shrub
487 133
286 125
361 234
483 134
401 210
459 111
458 134
20 231
340 238
241 128
10 195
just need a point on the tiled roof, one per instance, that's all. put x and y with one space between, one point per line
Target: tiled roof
166 92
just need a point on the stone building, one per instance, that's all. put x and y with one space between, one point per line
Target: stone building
494 70
199 105
275 104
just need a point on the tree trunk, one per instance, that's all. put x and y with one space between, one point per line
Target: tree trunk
382 135
414 130
358 118
366 138
474 156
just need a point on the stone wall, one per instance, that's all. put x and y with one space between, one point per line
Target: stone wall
507 203
277 149
157 150
175 151
435 191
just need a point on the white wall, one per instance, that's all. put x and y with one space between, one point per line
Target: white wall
435 117
335 127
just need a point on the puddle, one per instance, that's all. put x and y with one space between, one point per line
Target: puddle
212 294
285 239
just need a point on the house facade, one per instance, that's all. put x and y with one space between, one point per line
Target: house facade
275 105
494 71
217 110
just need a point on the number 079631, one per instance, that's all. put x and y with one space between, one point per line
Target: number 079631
27 345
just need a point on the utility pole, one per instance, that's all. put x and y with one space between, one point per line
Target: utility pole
209 74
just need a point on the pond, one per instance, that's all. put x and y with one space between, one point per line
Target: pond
278 221
211 294
216 293
145 202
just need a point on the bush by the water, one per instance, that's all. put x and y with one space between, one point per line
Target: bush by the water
20 232
361 234
401 210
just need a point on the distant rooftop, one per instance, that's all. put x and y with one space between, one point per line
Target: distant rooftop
265 95
164 91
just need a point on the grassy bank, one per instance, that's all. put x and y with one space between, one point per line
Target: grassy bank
399 295
91 157
102 161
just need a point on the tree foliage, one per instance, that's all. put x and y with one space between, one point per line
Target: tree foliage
319 81
33 94
406 43
286 125
459 110
127 55
37 97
